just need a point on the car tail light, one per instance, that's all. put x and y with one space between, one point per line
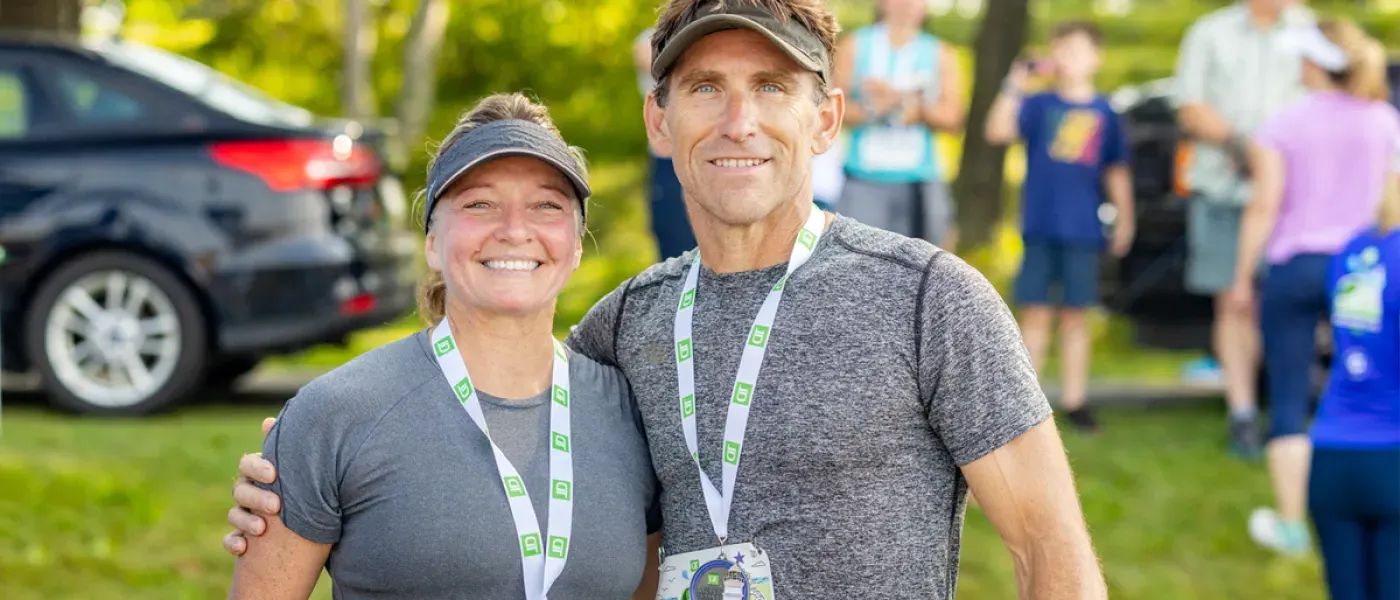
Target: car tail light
358 305
298 164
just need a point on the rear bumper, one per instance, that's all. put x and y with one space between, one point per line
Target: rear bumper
303 292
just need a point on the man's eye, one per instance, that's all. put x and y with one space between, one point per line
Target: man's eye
704 88
771 88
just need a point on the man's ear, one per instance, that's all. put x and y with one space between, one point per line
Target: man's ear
658 133
829 116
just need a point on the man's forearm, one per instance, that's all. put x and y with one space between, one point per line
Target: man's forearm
1120 190
1203 122
1060 569
943 116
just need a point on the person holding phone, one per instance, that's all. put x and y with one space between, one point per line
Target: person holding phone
1076 147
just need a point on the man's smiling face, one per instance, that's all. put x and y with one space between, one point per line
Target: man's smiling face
741 123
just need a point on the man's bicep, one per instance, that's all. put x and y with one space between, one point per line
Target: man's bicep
1024 484
975 371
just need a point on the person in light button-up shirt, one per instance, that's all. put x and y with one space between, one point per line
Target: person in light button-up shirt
1231 77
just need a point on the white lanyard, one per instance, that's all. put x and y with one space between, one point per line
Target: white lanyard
743 393
541 563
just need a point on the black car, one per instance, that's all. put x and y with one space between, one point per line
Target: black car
163 227
1146 286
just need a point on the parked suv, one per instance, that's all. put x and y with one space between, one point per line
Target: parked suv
1146 286
164 227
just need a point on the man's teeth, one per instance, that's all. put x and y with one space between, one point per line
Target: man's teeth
735 163
512 265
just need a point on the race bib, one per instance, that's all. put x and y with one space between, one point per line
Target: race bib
892 148
740 572
1360 301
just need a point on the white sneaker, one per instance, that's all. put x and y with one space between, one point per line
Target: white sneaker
1269 530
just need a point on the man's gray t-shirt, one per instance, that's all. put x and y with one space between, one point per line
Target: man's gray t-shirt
379 458
891 363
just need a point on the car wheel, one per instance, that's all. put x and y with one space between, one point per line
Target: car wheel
114 333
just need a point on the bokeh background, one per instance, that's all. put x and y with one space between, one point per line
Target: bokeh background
101 508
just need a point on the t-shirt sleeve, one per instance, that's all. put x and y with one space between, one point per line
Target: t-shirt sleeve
974 370
596 335
1027 117
304 445
654 505
1116 144
1274 132
1193 64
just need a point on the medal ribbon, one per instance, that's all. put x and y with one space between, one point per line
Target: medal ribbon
743 393
541 562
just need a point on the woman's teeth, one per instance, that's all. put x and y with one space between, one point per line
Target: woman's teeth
735 163
512 265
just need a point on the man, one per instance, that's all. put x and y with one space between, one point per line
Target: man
1231 75
846 446
669 224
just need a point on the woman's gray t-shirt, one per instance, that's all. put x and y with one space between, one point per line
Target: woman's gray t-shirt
378 458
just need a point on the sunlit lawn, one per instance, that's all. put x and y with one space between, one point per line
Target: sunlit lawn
97 509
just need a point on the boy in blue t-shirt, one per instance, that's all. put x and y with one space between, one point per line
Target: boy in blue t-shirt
1076 149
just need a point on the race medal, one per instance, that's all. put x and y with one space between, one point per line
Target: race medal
740 572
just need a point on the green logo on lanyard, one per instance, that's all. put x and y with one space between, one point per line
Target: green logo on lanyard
530 544
688 298
463 389
559 351
778 287
514 488
742 393
688 405
759 336
563 490
561 396
806 238
731 452
560 441
558 547
444 345
683 350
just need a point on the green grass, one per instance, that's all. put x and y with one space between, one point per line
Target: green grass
118 509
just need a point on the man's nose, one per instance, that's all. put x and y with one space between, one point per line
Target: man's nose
740 119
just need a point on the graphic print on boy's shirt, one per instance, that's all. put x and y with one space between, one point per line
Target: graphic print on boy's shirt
1076 134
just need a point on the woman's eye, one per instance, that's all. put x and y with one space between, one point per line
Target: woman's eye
476 204
551 205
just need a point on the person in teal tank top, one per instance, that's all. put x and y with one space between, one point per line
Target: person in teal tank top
903 86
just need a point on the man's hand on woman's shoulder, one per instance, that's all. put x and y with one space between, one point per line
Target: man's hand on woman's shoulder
248 498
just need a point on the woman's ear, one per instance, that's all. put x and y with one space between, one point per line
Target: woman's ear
430 252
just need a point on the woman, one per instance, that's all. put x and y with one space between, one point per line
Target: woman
477 458
1354 489
904 86
1319 167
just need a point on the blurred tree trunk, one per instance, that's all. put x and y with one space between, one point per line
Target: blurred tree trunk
978 190
420 59
361 36
41 15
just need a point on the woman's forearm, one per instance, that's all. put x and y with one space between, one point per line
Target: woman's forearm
279 565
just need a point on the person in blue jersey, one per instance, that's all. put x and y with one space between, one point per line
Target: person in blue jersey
904 86
1076 149
1354 487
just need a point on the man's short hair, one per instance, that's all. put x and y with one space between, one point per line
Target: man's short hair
811 14
1068 28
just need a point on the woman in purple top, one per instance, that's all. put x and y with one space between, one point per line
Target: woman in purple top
1319 167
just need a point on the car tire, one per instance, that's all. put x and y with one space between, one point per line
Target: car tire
225 371
94 323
